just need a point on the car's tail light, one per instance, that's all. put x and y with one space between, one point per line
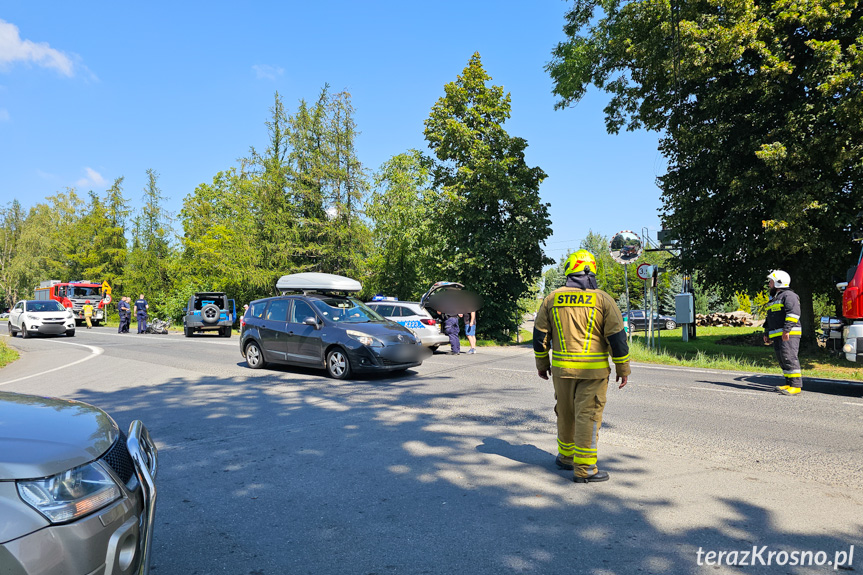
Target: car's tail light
428 321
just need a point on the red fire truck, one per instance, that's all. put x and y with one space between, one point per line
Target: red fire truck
852 310
75 294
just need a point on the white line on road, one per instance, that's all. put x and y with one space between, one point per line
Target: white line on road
740 391
749 374
850 403
94 351
516 370
153 338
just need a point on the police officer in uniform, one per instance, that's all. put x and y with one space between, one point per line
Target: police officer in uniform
141 307
124 310
579 325
782 327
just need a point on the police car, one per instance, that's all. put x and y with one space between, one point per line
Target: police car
413 316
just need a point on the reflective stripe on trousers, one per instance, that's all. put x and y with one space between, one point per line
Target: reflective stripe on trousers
579 406
786 354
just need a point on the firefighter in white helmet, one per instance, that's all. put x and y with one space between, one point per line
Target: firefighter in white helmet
782 327
581 325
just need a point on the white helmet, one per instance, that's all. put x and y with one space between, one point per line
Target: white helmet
780 278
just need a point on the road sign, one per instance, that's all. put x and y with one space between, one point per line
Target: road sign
644 271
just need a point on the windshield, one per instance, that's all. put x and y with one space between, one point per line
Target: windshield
47 305
345 310
80 291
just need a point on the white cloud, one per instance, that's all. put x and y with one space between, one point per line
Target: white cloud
93 178
14 49
265 72
4 115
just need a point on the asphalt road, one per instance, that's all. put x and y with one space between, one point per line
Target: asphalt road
448 469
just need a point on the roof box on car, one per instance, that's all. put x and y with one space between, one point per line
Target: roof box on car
317 282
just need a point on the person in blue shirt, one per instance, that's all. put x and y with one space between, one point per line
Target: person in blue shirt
141 307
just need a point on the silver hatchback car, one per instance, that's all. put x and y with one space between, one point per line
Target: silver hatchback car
412 315
76 494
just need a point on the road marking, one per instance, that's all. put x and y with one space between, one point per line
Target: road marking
727 390
516 370
748 374
850 403
94 351
153 338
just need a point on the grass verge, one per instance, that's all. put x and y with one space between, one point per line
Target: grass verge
7 354
705 351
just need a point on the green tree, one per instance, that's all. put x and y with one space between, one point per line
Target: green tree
152 266
493 222
758 104
347 236
12 218
221 238
404 239
270 200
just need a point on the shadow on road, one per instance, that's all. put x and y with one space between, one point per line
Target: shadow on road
768 383
272 475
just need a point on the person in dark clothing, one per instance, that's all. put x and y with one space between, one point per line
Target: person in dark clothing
141 307
124 310
782 327
450 328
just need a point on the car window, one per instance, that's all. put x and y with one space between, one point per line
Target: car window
401 311
278 310
48 305
346 310
302 310
19 306
257 309
384 310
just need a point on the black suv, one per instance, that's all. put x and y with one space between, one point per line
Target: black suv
209 311
334 332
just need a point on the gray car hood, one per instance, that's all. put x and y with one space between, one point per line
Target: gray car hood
42 436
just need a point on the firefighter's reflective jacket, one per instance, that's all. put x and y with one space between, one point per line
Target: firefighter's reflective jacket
783 314
583 326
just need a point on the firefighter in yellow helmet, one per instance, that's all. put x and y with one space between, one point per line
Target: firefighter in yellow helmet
579 325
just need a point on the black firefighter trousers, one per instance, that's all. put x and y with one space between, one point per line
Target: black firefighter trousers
786 354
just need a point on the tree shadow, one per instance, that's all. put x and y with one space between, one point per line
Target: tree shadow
270 474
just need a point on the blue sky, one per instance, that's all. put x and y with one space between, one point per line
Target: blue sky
93 91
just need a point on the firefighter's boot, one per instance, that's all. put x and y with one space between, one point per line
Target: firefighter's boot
790 390
781 388
564 462
596 477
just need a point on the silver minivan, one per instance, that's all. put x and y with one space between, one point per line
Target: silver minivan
77 495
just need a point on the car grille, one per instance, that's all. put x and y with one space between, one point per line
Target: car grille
119 460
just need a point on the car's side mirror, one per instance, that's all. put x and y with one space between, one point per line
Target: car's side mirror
311 321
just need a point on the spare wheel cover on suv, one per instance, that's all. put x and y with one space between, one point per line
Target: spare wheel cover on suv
210 313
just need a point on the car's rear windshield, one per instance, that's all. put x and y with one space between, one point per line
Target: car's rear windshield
44 305
345 310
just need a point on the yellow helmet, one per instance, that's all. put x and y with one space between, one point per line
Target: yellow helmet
580 261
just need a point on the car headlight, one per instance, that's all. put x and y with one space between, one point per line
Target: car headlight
32 317
365 338
69 313
70 494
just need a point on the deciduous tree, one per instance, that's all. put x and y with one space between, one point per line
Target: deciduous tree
758 103
493 222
